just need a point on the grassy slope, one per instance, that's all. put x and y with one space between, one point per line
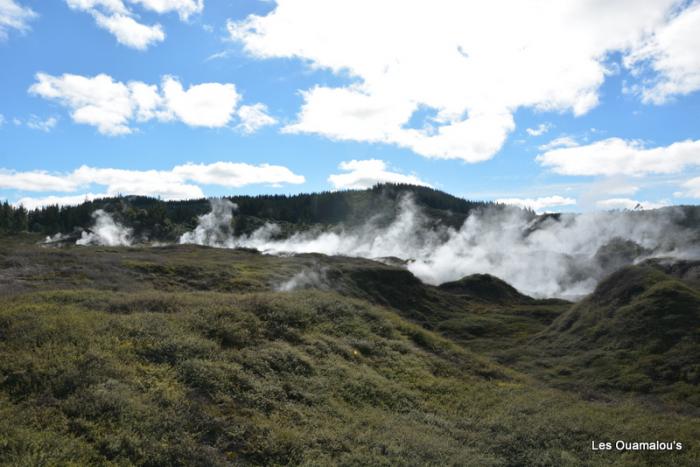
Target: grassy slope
185 355
639 332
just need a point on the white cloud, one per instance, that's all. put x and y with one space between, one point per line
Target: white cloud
33 203
589 194
367 173
691 189
184 8
130 32
560 142
234 175
615 156
35 181
148 102
14 16
98 101
539 130
469 62
626 203
113 107
538 204
351 114
671 52
612 186
209 104
46 125
109 6
253 117
121 21
167 184
2 119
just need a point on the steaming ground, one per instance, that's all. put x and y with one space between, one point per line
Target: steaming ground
556 256
306 278
105 231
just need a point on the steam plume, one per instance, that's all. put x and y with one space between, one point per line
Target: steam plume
562 256
214 228
306 278
106 231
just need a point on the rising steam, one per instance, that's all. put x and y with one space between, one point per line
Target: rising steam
214 228
314 278
562 256
106 232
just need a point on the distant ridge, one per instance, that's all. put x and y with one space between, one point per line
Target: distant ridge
166 220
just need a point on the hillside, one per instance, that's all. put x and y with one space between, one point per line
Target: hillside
486 287
185 355
638 332
401 331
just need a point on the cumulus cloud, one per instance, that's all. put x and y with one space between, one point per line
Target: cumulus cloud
471 65
123 22
253 117
209 104
167 184
14 16
538 204
539 130
113 106
627 203
362 174
671 53
615 156
99 101
130 32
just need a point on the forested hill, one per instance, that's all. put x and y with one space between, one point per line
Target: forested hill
165 219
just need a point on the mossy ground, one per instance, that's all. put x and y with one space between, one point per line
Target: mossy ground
638 333
187 356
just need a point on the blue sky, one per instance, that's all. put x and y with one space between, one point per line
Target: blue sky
558 110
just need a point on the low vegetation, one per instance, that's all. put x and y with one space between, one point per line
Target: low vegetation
639 332
186 355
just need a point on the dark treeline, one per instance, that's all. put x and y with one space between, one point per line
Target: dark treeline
349 206
154 219
164 219
13 219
